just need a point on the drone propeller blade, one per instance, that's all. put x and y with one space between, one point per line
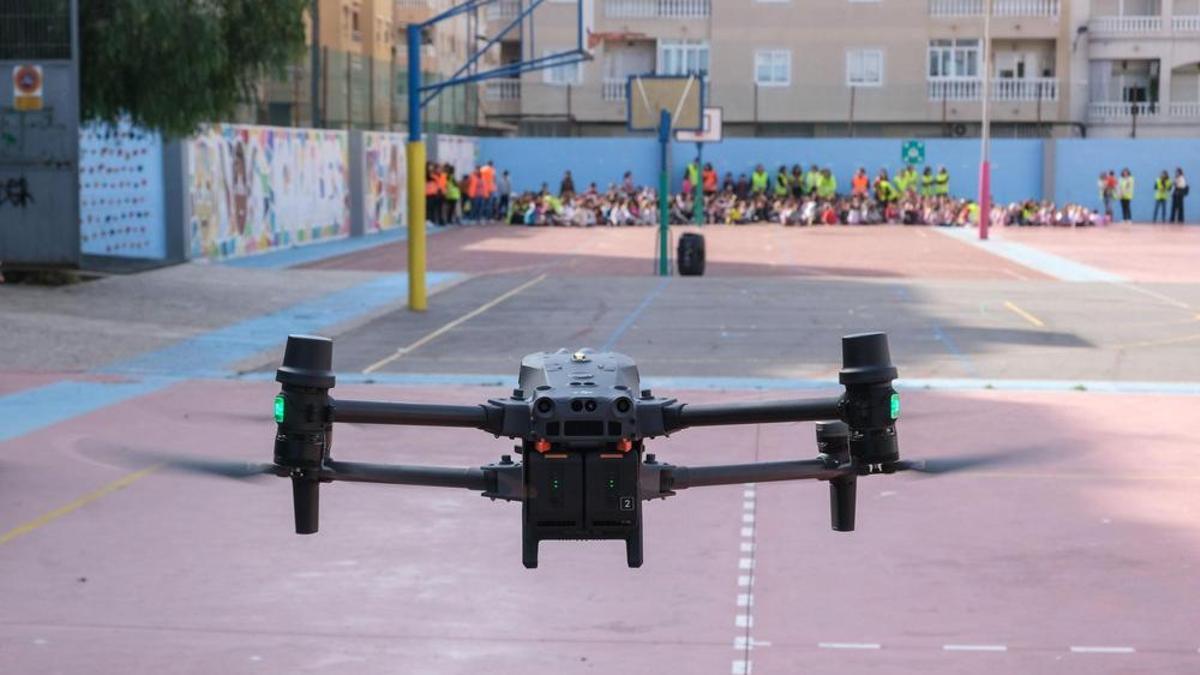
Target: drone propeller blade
938 466
185 463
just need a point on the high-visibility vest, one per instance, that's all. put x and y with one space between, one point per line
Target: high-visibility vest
453 192
884 191
472 186
710 181
1127 187
942 183
903 181
781 184
859 184
441 181
488 174
758 181
693 173
1162 189
811 180
827 187
431 187
927 185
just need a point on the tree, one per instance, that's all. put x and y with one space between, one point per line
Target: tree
172 65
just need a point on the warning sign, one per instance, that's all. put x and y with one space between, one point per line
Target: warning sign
27 87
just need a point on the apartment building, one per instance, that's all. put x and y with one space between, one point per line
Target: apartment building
868 67
364 68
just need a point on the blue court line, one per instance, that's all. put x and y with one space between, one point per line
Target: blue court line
209 355
628 322
27 411
218 350
667 383
941 336
1052 265
308 253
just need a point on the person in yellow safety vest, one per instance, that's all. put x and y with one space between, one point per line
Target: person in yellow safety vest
927 182
811 180
692 171
884 192
1125 192
973 212
758 180
827 186
1162 190
783 182
903 182
941 182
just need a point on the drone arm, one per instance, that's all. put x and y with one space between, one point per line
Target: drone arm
470 478
684 415
682 477
423 414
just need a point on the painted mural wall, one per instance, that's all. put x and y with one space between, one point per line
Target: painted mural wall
121 192
460 151
254 189
386 189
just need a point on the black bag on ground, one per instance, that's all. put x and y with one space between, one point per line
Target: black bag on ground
690 254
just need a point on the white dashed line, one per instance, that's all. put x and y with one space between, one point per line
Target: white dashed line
747 517
745 564
745 600
1102 650
744 580
975 648
743 621
747 546
740 667
747 531
849 645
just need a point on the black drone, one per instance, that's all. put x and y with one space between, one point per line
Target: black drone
581 421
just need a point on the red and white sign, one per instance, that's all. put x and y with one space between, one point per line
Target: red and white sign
27 87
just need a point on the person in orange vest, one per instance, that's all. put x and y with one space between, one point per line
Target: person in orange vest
433 201
488 173
475 195
709 178
860 183
443 176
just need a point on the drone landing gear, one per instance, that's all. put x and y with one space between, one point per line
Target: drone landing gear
529 549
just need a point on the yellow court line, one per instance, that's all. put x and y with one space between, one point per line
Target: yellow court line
1159 343
1024 315
451 326
47 518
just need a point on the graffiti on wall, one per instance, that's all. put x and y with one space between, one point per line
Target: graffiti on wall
458 151
254 189
121 192
386 189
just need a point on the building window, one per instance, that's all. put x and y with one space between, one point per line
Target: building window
682 57
773 67
571 73
864 68
953 59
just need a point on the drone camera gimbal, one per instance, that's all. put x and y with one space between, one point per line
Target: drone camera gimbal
581 421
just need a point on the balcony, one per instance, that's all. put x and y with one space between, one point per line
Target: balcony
503 9
1126 24
657 9
1184 110
506 89
952 8
613 89
1186 24
1016 90
1109 110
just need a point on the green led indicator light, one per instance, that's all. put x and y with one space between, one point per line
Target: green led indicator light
280 407
612 483
895 406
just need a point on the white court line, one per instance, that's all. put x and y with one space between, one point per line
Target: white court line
747 517
743 621
745 600
747 547
745 564
740 668
1102 650
849 645
747 531
975 648
744 580
748 505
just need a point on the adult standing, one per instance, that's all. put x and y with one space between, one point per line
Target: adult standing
504 188
1106 195
488 173
566 190
1178 193
1125 193
1162 190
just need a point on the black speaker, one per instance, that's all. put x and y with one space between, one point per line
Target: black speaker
689 255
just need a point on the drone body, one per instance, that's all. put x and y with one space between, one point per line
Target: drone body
581 421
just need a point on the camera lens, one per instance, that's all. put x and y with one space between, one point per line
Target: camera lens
590 405
545 405
576 405
623 405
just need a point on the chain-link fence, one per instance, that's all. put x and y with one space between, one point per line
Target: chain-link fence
35 29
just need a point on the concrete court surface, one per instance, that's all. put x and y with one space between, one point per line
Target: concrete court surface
1081 558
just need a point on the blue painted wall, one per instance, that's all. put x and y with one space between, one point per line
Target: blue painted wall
1079 162
1016 164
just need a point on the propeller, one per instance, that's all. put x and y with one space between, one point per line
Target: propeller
125 454
962 463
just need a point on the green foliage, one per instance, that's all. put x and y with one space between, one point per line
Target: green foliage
172 65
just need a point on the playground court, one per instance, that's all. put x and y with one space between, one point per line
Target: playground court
1072 350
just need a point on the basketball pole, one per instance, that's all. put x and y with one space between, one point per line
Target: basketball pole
698 188
414 156
664 184
985 132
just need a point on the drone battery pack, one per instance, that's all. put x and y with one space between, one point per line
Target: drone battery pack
582 494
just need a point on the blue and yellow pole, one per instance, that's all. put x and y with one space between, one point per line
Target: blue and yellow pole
415 159
664 198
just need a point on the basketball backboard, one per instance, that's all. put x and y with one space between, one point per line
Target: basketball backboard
680 95
711 133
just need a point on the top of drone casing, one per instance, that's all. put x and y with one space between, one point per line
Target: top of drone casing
581 398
